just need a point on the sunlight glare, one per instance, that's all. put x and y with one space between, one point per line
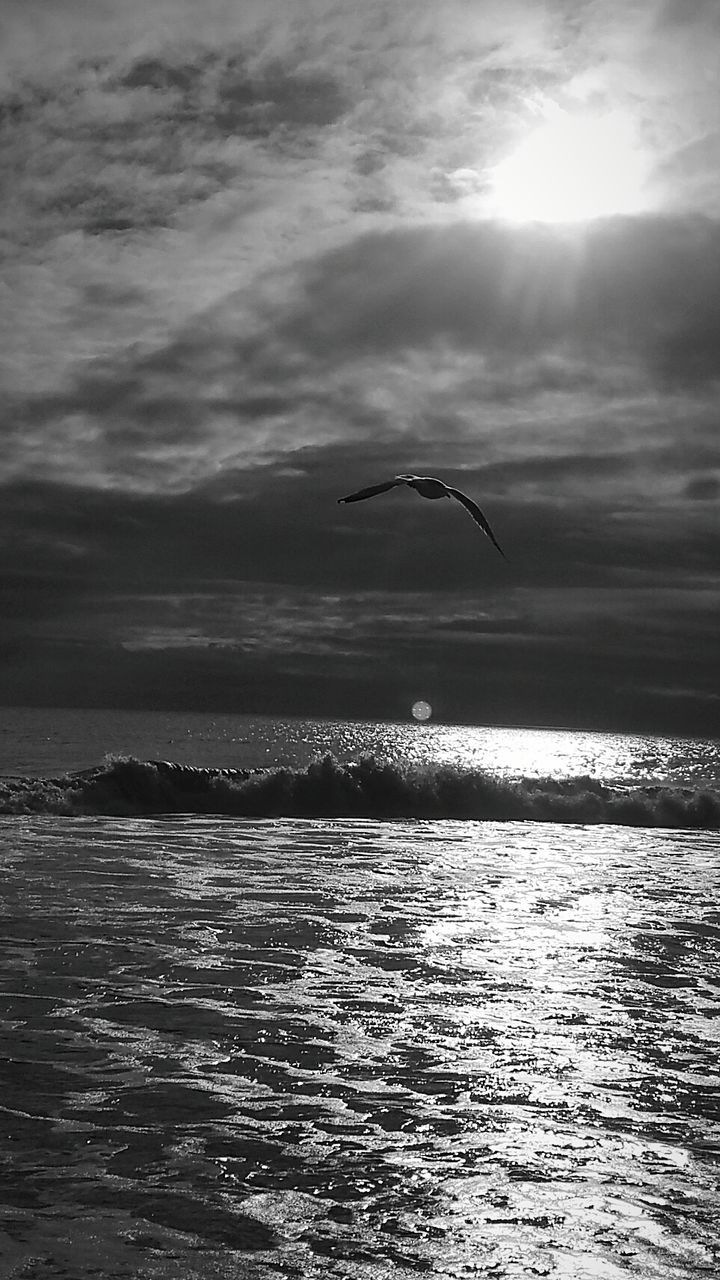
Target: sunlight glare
572 168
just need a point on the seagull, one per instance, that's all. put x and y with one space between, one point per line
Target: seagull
429 487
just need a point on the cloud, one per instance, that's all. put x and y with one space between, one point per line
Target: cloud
640 290
242 281
260 592
703 488
185 155
156 109
592 518
372 654
550 370
137 127
112 150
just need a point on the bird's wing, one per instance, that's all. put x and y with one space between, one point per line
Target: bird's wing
370 492
477 516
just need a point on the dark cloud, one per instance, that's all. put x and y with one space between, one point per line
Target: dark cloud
108 293
690 352
257 592
633 304
162 74
261 103
99 207
634 289
575 504
229 91
483 678
134 399
370 161
113 149
703 488
683 13
281 523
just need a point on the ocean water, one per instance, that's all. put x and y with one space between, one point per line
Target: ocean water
333 1000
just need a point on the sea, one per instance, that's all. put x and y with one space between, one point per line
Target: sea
311 998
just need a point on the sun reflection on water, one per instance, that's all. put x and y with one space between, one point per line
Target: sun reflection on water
513 753
436 1047
536 752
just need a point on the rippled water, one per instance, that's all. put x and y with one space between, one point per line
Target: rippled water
356 1049
44 741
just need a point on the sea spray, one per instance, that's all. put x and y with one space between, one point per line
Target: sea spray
364 788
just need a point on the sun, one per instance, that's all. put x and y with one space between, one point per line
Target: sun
572 168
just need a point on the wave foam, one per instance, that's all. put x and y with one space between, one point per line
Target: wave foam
366 788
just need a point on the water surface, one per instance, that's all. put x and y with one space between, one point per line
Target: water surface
358 1049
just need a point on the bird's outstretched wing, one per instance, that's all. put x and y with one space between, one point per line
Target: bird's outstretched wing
371 491
478 517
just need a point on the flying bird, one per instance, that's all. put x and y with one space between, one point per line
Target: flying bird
429 487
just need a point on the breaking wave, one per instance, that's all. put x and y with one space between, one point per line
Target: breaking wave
366 788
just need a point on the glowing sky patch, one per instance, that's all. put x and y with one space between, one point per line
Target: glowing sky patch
572 168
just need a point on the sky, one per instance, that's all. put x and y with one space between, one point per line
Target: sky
255 256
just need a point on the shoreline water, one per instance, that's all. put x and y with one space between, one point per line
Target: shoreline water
357 1048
